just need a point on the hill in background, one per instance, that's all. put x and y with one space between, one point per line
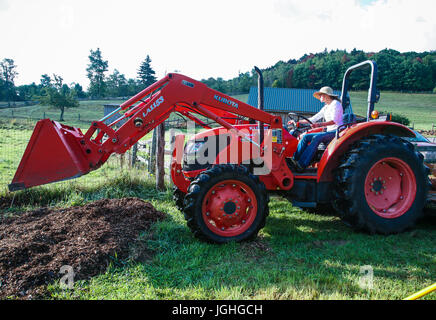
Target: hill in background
405 72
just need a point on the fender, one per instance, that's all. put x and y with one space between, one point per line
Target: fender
337 147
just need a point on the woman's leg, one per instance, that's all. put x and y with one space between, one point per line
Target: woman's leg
307 155
302 145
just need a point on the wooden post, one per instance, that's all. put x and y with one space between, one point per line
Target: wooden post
172 141
133 155
122 161
160 157
152 166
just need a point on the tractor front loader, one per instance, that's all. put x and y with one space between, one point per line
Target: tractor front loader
223 176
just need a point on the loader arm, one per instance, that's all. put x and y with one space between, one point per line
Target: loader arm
58 152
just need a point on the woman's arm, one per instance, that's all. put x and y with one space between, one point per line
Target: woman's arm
323 124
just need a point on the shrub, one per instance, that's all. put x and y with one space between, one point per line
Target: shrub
398 118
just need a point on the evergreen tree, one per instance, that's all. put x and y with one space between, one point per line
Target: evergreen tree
146 75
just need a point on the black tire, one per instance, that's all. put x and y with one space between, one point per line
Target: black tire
207 180
325 209
179 198
349 186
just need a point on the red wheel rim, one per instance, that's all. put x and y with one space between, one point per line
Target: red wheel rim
229 208
390 188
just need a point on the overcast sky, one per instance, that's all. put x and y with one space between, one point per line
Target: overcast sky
201 38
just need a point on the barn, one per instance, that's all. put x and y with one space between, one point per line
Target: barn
281 101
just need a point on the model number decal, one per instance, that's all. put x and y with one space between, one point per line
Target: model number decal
226 101
156 104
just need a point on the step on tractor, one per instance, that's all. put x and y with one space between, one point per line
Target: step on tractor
223 176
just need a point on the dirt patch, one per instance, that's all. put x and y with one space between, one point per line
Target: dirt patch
334 243
256 248
35 245
5 202
429 133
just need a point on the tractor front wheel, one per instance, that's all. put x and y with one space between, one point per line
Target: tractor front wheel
381 185
226 203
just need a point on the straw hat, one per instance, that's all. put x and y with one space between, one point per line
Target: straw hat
325 90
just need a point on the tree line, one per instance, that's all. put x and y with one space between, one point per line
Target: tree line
51 88
407 72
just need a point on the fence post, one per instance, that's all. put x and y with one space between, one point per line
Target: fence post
160 157
133 157
152 166
172 141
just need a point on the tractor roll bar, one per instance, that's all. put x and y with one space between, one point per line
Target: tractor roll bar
373 93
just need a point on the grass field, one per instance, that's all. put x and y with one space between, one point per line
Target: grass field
419 108
298 255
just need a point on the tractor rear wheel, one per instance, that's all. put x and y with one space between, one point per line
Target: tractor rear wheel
381 185
226 203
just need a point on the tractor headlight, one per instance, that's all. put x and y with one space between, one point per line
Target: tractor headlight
193 146
191 150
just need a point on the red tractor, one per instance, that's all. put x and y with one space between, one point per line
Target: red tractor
373 178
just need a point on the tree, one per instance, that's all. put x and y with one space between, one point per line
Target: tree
96 70
59 96
28 91
8 74
78 89
117 84
45 81
146 73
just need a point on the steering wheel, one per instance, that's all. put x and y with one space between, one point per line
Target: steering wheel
298 131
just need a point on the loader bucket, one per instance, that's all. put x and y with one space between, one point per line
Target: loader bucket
52 154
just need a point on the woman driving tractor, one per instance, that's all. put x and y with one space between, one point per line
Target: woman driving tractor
332 114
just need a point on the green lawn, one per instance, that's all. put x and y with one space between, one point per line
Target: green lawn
82 116
298 255
419 108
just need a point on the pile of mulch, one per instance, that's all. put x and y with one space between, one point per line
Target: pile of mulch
35 245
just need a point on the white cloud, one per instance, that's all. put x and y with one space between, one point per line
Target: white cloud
4 5
202 38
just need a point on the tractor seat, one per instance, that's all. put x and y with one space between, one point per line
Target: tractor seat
349 118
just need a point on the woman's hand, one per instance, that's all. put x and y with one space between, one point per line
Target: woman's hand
293 124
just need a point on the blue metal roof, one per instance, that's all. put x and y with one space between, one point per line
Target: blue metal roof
290 100
108 108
